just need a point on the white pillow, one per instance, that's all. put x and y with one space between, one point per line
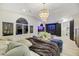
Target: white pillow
25 42
18 51
21 51
12 45
33 53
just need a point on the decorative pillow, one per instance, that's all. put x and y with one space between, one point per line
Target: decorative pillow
44 36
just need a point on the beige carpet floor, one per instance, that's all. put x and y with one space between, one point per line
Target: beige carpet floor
69 48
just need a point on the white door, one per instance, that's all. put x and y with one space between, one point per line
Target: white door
66 30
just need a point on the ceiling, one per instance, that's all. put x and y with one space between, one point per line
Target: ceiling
56 10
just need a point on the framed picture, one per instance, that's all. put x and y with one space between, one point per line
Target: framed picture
7 28
31 29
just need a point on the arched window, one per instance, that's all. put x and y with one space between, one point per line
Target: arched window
21 26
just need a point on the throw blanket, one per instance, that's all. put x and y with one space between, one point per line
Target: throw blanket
43 48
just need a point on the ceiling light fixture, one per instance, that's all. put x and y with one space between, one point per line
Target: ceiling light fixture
44 13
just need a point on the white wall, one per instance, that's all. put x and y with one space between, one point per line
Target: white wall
76 27
76 20
8 16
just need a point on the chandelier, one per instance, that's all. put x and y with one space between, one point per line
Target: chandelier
44 13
